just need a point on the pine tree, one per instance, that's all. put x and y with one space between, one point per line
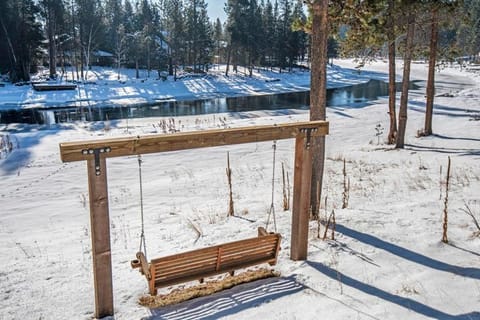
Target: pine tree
113 22
53 12
269 26
198 34
297 40
89 21
22 32
237 29
174 22
219 40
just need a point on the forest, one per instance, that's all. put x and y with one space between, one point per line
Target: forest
163 35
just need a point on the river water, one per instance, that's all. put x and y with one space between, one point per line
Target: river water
356 96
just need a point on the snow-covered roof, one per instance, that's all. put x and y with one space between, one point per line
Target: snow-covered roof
100 53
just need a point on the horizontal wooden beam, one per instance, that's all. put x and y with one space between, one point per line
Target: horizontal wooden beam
127 146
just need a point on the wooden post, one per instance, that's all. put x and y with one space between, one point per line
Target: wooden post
301 197
100 229
96 151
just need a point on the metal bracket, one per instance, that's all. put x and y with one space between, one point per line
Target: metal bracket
96 152
308 134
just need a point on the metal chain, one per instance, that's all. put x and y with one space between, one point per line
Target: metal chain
142 234
271 212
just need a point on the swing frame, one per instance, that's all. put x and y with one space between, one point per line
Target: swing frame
209 261
95 153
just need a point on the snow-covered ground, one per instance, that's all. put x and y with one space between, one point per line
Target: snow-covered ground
102 87
386 262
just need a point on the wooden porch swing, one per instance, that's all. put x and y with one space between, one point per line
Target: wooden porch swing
223 258
210 261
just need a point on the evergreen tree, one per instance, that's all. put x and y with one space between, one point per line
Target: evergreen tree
285 24
297 39
89 21
199 34
174 22
269 27
113 20
22 33
236 28
147 26
468 29
53 12
219 40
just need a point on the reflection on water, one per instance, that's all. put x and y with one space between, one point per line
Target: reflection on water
356 96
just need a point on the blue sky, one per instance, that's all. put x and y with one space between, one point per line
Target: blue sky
215 10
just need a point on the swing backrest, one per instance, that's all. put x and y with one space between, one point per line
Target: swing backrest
210 261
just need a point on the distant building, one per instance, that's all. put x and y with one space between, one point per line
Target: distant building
102 58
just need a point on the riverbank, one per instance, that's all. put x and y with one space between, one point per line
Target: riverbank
102 87
386 262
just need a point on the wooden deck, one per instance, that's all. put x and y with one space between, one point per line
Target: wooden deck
53 86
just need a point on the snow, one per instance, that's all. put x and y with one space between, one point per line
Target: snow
103 88
386 262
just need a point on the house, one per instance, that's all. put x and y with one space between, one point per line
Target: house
102 58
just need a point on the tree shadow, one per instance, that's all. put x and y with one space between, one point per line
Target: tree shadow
455 138
32 135
439 109
463 249
459 151
407 254
407 303
229 301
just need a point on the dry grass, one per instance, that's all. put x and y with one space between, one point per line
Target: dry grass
204 289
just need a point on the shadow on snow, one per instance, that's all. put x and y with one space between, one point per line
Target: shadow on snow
229 301
407 254
393 298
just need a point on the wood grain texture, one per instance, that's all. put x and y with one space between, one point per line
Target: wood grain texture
127 146
206 262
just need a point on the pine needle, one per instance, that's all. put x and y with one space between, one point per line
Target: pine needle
205 289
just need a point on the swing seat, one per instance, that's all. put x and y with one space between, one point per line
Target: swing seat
206 262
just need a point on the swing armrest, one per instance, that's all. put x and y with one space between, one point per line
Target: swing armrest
142 264
262 231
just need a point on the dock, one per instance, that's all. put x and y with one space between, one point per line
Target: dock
53 86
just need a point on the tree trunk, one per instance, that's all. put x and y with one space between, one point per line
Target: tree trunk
137 72
228 60
407 60
431 74
392 90
318 95
52 54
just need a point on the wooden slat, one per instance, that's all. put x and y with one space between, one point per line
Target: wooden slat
245 263
187 254
205 273
266 253
193 258
72 151
193 273
171 269
186 260
240 255
205 262
200 261
273 238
